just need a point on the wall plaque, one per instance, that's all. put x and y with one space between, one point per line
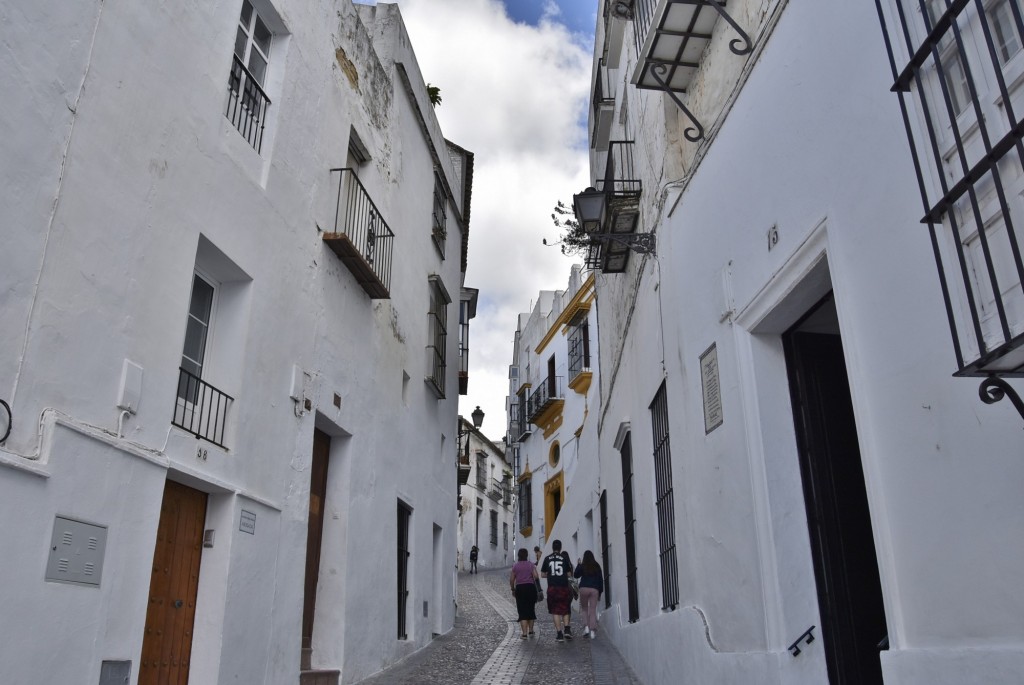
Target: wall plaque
712 389
247 523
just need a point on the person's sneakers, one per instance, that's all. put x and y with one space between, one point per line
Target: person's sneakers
523 636
593 635
531 633
586 631
560 637
568 631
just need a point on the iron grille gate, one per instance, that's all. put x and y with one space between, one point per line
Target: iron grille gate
665 501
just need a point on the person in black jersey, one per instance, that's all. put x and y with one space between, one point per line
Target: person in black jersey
557 568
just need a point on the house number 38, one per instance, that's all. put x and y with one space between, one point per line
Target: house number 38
201 453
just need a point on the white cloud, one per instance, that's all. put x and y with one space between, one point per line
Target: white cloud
514 95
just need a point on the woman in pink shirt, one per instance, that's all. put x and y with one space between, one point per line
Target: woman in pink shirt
523 580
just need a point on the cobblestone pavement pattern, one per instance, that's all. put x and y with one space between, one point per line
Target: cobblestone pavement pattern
484 648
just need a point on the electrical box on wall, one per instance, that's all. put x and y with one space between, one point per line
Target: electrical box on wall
76 552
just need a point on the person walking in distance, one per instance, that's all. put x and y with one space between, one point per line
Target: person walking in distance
591 586
558 569
523 579
473 553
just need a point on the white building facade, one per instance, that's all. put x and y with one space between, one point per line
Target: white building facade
794 489
229 370
553 385
487 504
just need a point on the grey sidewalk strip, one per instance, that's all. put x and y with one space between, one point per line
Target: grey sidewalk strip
509 662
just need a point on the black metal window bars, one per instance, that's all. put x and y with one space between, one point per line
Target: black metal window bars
665 501
247 104
974 153
439 218
201 409
632 593
437 319
579 348
669 45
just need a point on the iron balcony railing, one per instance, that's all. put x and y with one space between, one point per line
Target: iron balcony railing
620 180
361 237
547 393
643 17
247 104
497 490
201 409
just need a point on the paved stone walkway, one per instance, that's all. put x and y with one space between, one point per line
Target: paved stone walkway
484 648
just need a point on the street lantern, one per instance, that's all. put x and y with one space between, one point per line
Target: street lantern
589 207
478 416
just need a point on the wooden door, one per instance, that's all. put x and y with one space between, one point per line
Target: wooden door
838 516
315 530
167 643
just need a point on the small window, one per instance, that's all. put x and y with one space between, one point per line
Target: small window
555 454
1004 30
494 528
437 323
439 224
247 100
525 500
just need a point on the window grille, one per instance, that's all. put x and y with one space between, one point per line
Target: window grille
626 453
957 68
404 515
579 348
525 500
494 528
439 225
437 319
606 551
664 501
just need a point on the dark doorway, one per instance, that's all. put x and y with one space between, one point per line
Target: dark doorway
838 517
315 530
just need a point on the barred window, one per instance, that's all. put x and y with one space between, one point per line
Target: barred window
494 528
437 324
626 452
525 499
579 346
664 501
439 224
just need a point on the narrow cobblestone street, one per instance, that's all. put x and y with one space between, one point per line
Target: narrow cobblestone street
484 648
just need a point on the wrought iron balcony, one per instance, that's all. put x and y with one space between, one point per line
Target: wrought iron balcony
496 492
670 38
361 238
247 104
604 107
613 229
201 409
545 396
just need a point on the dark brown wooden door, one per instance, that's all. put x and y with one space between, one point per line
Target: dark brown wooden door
838 516
317 499
167 643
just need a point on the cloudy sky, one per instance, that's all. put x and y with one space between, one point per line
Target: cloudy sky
514 78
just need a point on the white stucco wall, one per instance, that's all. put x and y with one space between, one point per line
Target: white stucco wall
814 145
123 176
